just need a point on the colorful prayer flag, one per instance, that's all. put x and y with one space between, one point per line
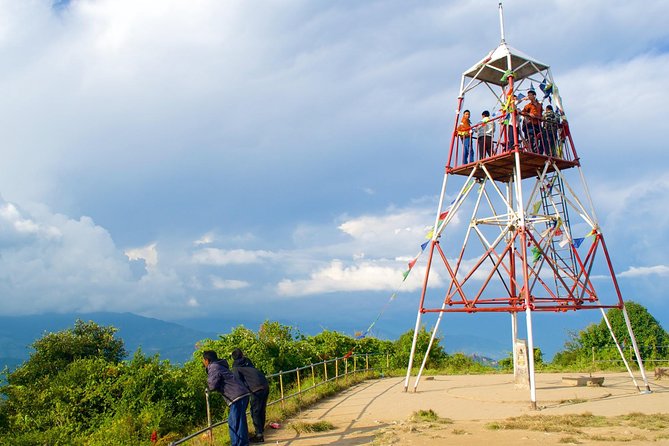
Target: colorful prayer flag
578 241
536 254
424 245
405 274
507 73
535 207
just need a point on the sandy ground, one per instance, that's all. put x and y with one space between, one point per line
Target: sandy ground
377 412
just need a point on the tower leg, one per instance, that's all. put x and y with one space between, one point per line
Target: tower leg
530 358
620 350
514 339
429 347
636 348
413 350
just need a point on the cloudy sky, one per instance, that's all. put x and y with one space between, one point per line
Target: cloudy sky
228 162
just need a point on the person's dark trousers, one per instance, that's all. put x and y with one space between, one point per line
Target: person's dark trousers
239 431
480 146
534 135
259 410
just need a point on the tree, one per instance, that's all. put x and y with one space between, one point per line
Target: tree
651 337
96 399
63 388
331 344
403 350
55 351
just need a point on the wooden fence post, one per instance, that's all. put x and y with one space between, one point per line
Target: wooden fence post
299 386
211 432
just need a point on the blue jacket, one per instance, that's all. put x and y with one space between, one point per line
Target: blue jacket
221 379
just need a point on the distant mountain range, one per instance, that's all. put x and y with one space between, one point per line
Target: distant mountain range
170 340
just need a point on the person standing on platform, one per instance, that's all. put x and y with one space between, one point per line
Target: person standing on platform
235 393
551 123
532 113
465 134
255 380
486 129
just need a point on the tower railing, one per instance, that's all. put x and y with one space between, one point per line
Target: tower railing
543 136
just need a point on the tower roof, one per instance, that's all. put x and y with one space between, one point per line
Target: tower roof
491 68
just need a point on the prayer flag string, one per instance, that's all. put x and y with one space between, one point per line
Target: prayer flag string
412 262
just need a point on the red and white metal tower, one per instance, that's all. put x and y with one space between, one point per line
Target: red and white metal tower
518 236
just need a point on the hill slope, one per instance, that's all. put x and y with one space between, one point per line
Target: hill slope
171 341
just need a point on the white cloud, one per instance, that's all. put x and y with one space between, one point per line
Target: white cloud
220 257
148 253
396 231
229 284
206 239
10 215
644 271
336 277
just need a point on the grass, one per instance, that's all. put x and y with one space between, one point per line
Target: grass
385 438
428 416
575 425
281 411
652 422
424 415
301 427
550 423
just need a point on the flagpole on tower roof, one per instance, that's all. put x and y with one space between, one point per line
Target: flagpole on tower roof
501 21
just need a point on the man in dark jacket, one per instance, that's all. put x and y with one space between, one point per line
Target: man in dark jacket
243 368
235 393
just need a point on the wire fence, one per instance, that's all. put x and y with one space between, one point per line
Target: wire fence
296 382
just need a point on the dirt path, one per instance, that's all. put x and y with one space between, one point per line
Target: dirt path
377 412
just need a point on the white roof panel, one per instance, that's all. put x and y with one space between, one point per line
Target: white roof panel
492 67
